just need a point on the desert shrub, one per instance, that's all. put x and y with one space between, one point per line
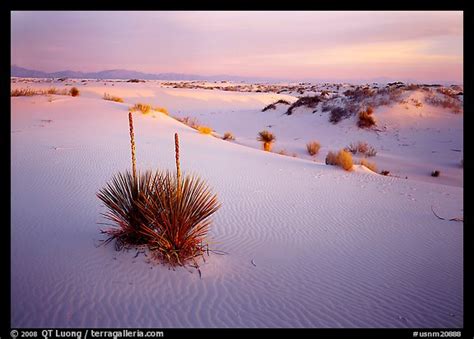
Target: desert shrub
361 147
313 147
122 196
74 91
342 159
412 87
144 108
331 158
267 138
204 129
366 118
385 172
112 98
359 93
273 105
370 165
178 218
454 104
310 102
135 80
30 92
161 110
189 121
228 136
337 114
435 173
19 92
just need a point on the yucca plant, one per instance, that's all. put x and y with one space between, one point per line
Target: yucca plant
267 138
122 196
177 216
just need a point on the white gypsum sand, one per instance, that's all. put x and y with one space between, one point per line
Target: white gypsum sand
309 245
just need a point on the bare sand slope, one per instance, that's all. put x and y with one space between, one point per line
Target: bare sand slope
308 245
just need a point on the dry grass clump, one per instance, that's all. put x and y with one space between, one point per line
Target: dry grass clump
273 105
74 91
366 119
144 108
112 98
361 147
189 121
18 92
313 147
228 136
204 129
267 138
370 165
342 159
161 110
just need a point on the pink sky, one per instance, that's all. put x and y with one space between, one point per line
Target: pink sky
424 46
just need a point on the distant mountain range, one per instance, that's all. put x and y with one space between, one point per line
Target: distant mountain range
21 72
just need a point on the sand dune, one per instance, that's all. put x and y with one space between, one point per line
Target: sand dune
309 245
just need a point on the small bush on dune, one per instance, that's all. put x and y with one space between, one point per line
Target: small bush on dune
191 122
366 118
161 110
112 98
144 108
331 159
204 129
370 165
342 159
267 138
361 147
385 172
435 173
228 136
74 92
313 147
337 114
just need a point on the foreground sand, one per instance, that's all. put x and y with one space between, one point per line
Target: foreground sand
329 248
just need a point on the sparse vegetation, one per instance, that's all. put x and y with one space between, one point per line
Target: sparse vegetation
204 129
385 172
313 147
454 104
228 136
161 110
144 108
310 102
273 105
337 114
361 147
366 119
342 159
189 121
18 92
267 138
112 98
370 165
